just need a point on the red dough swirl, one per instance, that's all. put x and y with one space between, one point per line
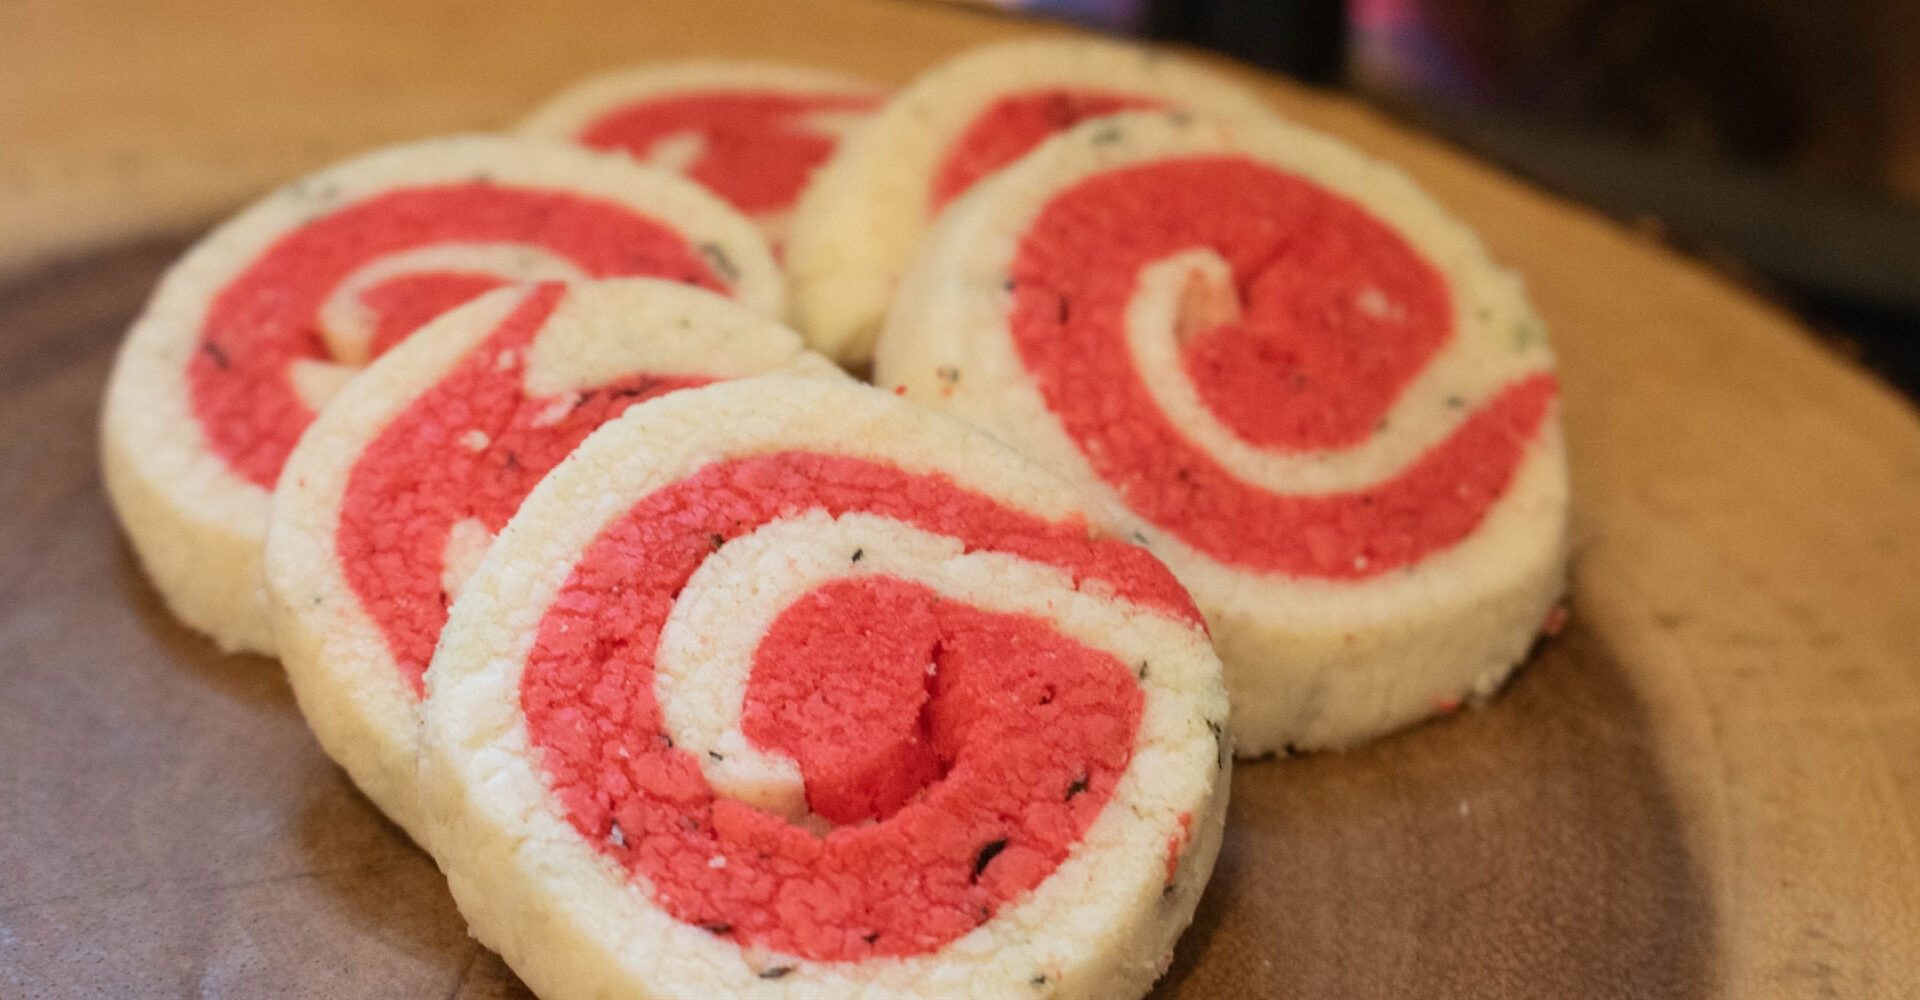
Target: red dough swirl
264 321
408 489
753 133
1011 126
860 219
979 772
396 492
841 689
755 153
1300 368
1292 375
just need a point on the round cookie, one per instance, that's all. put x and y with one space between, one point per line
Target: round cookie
1302 383
272 312
858 221
790 688
396 490
751 132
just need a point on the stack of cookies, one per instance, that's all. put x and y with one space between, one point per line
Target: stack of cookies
703 668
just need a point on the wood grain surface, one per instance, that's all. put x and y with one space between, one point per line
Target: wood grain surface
1708 786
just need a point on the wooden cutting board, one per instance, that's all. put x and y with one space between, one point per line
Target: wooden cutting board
1709 785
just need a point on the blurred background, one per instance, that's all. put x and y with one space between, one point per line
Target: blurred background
1779 138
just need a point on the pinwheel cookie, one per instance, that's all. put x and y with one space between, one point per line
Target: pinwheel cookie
261 322
786 687
1293 375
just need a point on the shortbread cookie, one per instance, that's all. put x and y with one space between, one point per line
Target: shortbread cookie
857 223
1303 384
269 314
751 132
790 688
399 485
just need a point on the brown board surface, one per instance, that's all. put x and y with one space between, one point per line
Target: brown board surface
1708 786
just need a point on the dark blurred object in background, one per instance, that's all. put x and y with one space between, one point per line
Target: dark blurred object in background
1778 137
1759 81
1305 38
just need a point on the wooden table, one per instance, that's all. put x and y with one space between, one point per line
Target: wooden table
1710 785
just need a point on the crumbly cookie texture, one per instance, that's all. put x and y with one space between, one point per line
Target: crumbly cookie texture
1292 375
396 490
782 687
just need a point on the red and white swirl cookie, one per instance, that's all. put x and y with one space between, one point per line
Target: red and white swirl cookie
1306 386
271 313
396 490
788 687
858 221
751 132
